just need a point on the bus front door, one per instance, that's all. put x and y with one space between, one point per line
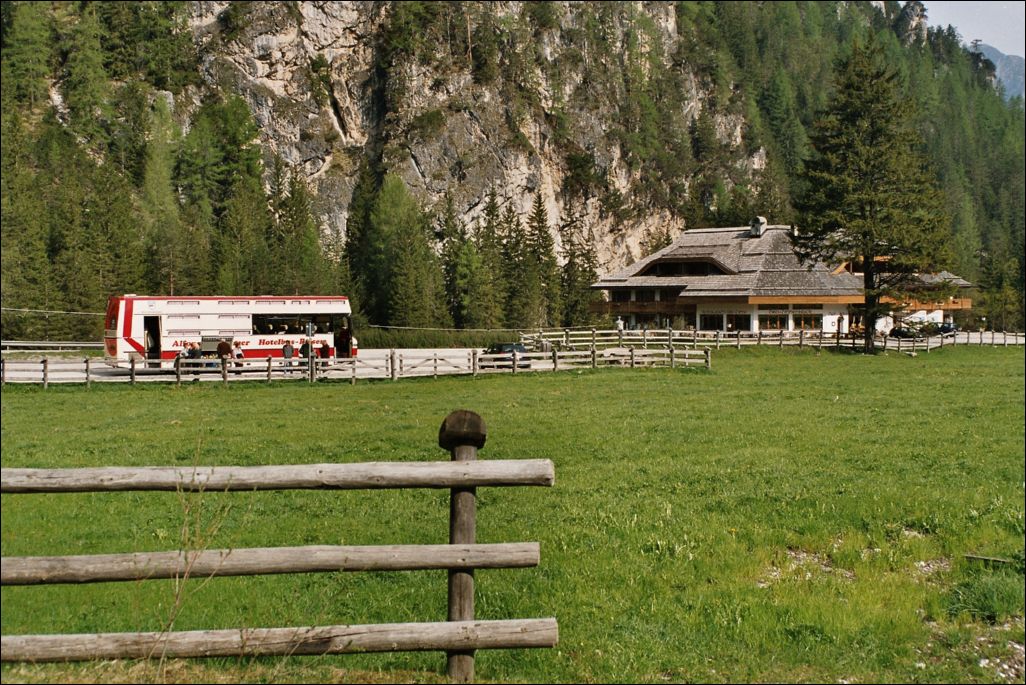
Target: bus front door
151 326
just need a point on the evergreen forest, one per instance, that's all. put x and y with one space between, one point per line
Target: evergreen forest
110 184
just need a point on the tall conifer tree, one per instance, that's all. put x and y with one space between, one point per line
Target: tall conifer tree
868 197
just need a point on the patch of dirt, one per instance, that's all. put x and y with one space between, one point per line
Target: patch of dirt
1010 667
803 566
930 567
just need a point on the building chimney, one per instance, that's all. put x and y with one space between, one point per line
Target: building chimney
758 227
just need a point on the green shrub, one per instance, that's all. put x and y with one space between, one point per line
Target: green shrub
989 595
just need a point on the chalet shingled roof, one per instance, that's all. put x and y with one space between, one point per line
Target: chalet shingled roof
756 266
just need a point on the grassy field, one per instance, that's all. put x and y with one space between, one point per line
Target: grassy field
787 517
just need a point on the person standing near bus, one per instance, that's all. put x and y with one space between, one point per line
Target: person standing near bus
287 351
224 349
237 353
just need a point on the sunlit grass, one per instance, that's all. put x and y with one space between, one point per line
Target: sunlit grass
789 516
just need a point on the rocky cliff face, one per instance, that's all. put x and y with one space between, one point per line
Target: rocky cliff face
330 95
1010 70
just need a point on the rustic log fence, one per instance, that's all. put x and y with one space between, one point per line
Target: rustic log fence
462 433
585 339
395 364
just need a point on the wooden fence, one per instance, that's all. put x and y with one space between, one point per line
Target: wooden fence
579 339
394 365
462 433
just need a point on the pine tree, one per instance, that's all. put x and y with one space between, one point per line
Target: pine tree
28 48
163 236
86 88
868 197
579 271
303 268
242 256
524 299
25 274
490 307
541 251
411 290
452 235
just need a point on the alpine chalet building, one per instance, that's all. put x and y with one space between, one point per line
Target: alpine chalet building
731 279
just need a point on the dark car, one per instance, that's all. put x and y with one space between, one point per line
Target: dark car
947 327
903 332
504 356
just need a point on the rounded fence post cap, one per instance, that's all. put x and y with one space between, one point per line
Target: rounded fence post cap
462 427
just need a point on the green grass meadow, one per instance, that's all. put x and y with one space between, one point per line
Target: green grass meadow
788 516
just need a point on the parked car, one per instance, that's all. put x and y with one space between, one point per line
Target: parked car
505 361
903 332
947 327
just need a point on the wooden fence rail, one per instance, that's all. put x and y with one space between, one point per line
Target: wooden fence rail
462 433
395 364
565 339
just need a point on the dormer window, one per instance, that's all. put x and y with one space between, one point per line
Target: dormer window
670 269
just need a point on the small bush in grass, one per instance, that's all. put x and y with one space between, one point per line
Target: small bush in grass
989 595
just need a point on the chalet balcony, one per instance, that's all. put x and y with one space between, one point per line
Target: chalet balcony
948 304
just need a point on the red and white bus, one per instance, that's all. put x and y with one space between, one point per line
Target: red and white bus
155 330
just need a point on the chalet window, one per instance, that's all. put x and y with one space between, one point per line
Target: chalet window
644 296
772 322
808 322
739 322
621 295
668 295
710 322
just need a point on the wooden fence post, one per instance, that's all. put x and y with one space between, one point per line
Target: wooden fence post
555 359
3 372
644 338
268 369
820 340
88 377
178 370
515 361
619 338
738 339
46 372
224 370
669 336
717 340
673 364
435 367
133 370
838 337
708 358
781 334
632 356
594 357
473 362
463 433
566 337
801 338
392 366
758 340
352 369
593 336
